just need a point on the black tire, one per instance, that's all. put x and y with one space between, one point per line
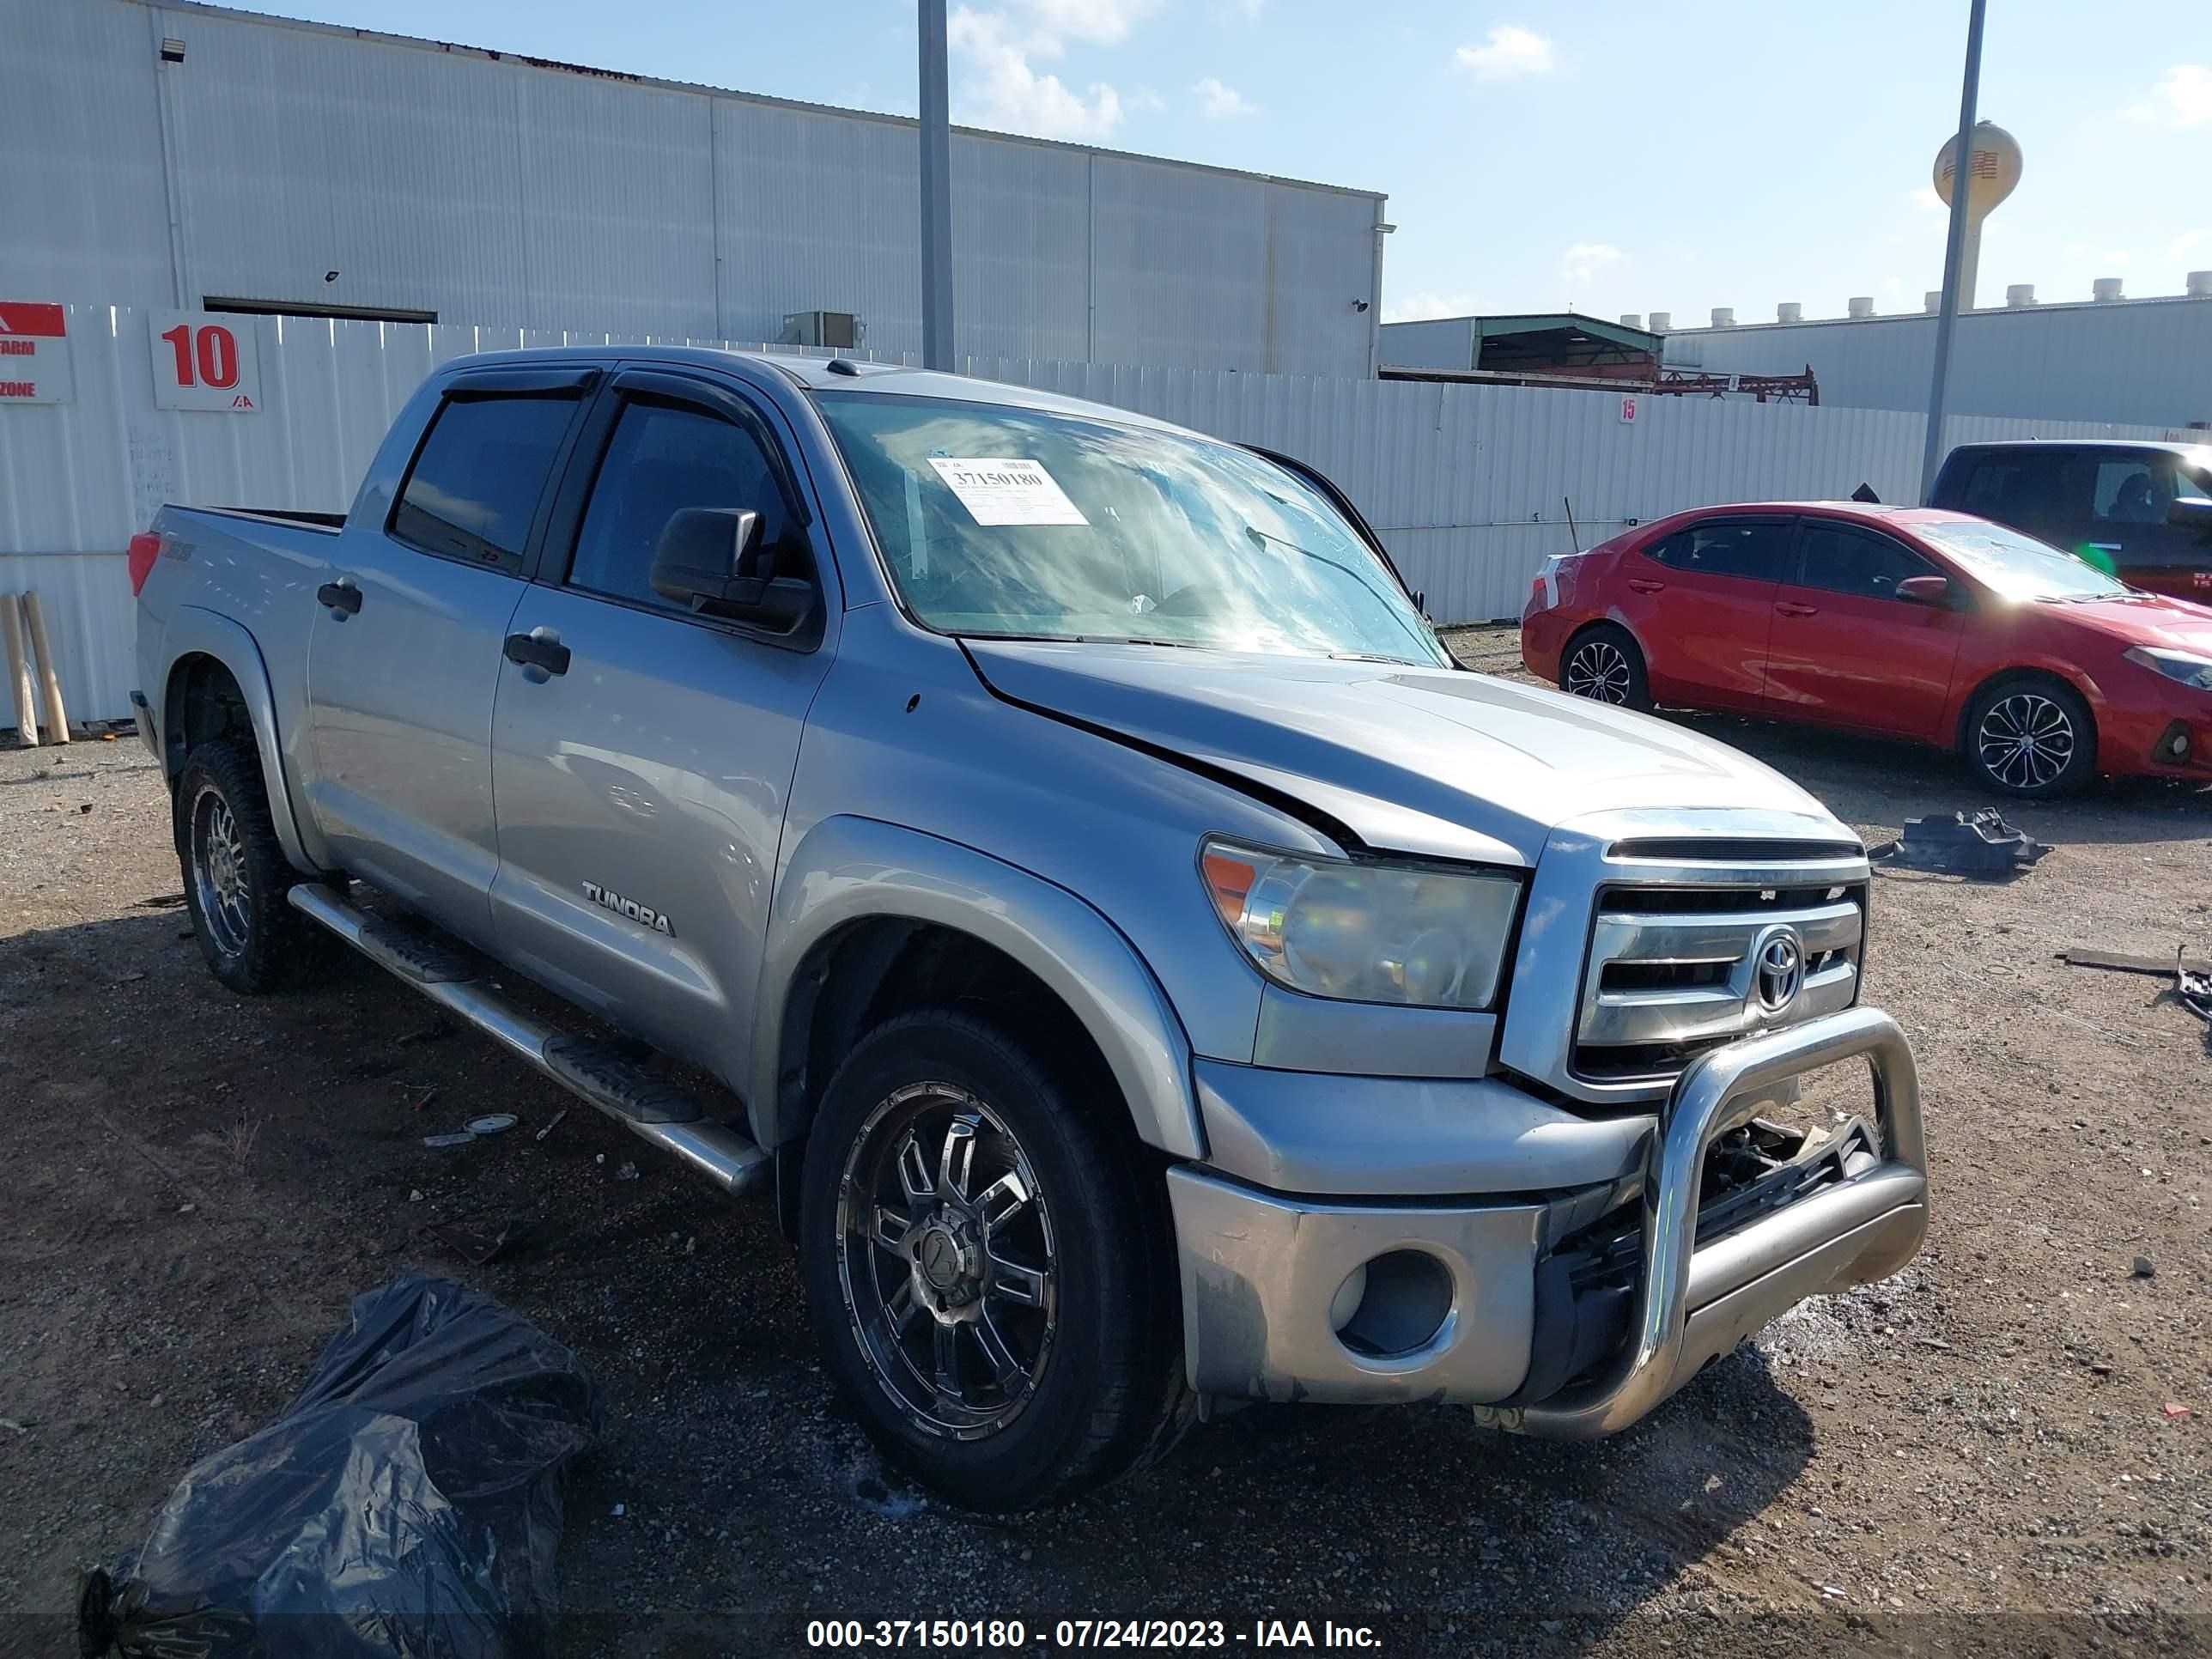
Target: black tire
1604 663
236 877
1097 1387
2031 736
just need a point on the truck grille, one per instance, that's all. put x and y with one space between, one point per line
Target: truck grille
1674 969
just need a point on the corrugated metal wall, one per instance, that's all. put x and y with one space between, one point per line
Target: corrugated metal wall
2143 360
1467 484
479 187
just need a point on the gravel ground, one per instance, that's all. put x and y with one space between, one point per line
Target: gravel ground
1981 1455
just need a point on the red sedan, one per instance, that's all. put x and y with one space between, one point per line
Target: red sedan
1908 621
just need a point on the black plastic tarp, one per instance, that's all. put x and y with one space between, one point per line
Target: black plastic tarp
408 1502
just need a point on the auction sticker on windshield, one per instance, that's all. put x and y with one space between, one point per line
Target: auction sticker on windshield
998 490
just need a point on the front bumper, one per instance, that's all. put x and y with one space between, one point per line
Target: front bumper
1268 1279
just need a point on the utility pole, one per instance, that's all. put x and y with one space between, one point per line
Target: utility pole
1955 253
937 189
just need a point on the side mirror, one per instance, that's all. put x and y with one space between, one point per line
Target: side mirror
707 561
1925 590
2188 514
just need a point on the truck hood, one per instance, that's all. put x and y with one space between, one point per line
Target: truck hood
1432 761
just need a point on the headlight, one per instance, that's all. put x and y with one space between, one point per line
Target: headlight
1428 935
2174 665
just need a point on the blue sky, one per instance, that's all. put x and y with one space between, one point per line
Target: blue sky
1620 156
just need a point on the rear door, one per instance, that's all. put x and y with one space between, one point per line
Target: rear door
1701 601
642 764
403 652
1845 650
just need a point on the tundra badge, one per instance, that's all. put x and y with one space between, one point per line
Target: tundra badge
642 916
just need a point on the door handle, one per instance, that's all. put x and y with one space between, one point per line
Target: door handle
1645 585
2104 547
1790 608
340 596
534 651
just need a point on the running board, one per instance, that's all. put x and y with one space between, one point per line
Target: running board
649 1108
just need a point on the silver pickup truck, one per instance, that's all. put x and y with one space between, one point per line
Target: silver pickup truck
1148 970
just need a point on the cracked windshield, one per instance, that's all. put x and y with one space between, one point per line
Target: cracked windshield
1018 524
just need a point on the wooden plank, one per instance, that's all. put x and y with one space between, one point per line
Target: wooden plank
2160 967
42 653
19 672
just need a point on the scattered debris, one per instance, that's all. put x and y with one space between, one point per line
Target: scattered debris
492 1123
406 1502
1965 844
626 1171
414 1196
619 1510
476 1242
429 1095
2144 1267
2176 1413
14 1427
457 1138
553 1123
2191 975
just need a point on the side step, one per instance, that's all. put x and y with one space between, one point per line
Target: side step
650 1108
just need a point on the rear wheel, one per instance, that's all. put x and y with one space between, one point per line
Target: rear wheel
988 1268
2031 738
236 877
1605 664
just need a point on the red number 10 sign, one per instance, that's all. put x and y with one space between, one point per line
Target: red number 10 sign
205 360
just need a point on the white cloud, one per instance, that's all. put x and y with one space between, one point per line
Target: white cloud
2191 243
1002 87
1928 201
1510 52
2118 258
1584 261
2075 250
1219 103
2182 99
1415 306
1101 20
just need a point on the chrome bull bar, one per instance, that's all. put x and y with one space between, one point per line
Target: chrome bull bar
1693 1305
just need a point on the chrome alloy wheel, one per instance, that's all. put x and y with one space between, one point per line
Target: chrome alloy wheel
219 872
944 1261
2026 740
1599 669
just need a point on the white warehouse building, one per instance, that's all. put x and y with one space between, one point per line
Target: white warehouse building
188 156
2145 361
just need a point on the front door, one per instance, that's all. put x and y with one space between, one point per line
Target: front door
403 654
1702 600
2111 507
643 762
1845 650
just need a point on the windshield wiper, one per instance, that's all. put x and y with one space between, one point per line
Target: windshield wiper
1376 656
1260 538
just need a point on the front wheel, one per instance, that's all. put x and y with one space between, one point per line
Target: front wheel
2031 738
989 1268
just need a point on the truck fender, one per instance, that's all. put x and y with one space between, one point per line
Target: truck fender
849 870
195 631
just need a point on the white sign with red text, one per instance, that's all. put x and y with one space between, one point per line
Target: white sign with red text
1628 410
35 360
205 360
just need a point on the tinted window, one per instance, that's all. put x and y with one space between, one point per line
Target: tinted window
1999 488
477 480
661 460
1844 559
1756 551
2124 493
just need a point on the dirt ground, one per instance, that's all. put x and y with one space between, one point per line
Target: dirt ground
2004 1450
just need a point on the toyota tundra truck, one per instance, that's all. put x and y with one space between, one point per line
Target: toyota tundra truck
1050 853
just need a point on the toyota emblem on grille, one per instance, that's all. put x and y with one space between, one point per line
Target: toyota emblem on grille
1778 961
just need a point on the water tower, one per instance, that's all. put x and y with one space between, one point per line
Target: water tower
1992 176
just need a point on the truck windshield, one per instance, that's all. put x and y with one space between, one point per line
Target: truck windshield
2017 565
1018 522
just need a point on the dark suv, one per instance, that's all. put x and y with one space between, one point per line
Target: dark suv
2142 510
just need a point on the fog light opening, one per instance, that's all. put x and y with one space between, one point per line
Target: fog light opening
1395 1304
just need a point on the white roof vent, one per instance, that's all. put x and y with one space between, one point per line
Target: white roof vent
2200 284
1860 304
1790 311
1663 320
1631 319
2105 288
1723 316
1932 301
2021 294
